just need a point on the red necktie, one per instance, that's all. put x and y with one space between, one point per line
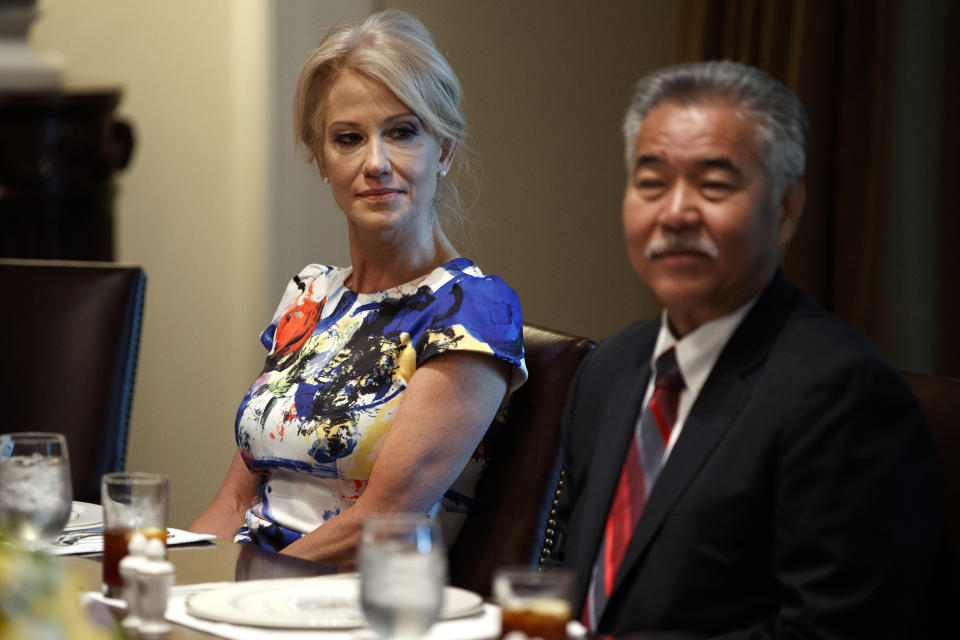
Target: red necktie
640 470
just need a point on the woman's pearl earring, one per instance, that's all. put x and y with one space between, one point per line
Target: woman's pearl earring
442 173
326 180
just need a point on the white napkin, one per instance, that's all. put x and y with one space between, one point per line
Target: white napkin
94 544
480 627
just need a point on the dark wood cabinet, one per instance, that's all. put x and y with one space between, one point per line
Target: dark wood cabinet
59 152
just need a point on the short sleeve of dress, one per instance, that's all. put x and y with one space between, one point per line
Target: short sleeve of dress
480 314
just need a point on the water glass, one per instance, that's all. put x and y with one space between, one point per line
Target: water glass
132 503
35 490
535 601
402 573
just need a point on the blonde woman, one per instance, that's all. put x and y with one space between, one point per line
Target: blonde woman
381 378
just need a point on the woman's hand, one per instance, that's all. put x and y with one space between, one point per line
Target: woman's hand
224 515
447 407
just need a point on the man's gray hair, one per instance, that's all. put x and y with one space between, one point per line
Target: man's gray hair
780 117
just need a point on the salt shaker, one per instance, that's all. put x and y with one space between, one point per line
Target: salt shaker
129 566
155 577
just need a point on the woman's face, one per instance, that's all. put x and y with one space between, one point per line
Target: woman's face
381 163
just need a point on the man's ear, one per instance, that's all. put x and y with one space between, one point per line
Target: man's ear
791 208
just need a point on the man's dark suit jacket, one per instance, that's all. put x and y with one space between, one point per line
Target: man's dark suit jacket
801 499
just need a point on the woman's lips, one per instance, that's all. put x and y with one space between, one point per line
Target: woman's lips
379 195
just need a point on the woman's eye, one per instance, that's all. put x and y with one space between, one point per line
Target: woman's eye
346 139
403 132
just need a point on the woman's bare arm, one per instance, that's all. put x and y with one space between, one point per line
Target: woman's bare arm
224 515
446 409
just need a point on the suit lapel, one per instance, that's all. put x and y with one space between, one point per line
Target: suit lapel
722 398
615 434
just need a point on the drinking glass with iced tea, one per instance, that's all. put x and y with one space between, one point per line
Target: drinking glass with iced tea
534 600
132 502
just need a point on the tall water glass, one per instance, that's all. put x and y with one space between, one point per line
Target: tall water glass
35 490
132 503
402 573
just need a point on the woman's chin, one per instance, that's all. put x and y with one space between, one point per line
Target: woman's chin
390 221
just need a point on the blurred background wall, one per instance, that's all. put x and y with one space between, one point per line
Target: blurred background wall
191 209
220 208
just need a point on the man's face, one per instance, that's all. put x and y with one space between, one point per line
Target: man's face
701 227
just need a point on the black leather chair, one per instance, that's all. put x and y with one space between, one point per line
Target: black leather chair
514 498
69 338
940 399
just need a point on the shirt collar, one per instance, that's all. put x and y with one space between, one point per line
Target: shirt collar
698 351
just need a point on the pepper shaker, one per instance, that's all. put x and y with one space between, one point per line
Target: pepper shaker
155 577
129 566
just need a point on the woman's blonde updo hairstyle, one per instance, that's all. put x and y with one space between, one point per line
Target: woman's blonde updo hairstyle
395 49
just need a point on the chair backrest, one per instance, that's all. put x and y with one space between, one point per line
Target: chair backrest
514 497
940 399
69 335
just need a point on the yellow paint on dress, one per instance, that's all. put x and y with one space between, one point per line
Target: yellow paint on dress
374 432
462 338
406 361
369 445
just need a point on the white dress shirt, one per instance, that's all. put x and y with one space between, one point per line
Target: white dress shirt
696 353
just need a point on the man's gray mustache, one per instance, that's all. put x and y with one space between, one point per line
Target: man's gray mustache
682 243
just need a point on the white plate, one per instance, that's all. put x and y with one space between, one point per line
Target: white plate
325 602
83 515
